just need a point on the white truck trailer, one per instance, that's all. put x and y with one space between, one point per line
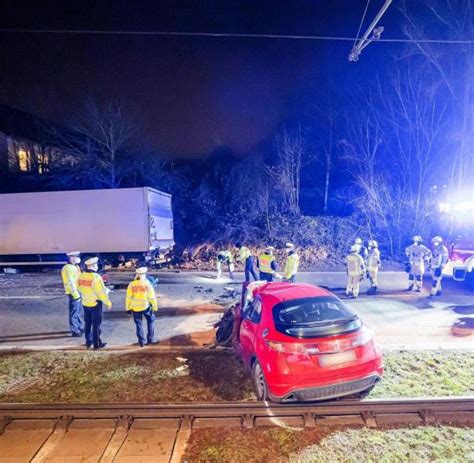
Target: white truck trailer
38 228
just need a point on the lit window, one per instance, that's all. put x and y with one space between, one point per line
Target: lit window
23 160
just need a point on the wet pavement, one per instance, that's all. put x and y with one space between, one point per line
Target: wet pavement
33 309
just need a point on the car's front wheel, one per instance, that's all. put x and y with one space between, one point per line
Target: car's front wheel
260 384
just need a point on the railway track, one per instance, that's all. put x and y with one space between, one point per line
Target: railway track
152 432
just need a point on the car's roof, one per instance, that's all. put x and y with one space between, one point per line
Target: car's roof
280 292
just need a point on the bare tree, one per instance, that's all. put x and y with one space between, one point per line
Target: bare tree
291 150
395 147
100 145
454 66
326 120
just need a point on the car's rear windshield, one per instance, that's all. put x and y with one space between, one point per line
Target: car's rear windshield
314 317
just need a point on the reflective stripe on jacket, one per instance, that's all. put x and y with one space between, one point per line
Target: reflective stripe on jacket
266 263
291 266
440 256
373 259
140 296
355 265
417 254
244 253
92 289
70 276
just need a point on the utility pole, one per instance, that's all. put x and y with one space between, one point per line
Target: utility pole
366 39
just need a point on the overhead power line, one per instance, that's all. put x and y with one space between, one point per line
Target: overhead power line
225 35
367 38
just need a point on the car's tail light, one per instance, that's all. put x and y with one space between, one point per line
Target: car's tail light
361 338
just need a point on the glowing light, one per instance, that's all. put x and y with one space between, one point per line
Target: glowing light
23 160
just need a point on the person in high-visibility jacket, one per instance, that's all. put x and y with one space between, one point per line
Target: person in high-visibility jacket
246 257
439 260
70 276
373 265
292 263
94 295
417 254
355 270
267 265
141 302
225 257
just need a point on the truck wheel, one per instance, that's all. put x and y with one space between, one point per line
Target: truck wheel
259 382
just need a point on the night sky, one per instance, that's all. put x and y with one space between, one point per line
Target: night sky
193 95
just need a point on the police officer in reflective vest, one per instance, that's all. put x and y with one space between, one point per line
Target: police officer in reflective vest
373 265
355 270
141 302
267 265
439 260
417 254
94 295
246 257
70 276
292 263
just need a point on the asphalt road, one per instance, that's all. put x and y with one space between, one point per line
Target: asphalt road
33 309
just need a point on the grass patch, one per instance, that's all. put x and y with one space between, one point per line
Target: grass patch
211 376
433 444
104 377
426 373
423 444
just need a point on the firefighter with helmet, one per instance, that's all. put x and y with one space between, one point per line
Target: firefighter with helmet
417 255
355 270
373 265
440 258
362 249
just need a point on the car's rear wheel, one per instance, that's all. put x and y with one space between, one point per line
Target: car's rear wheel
260 384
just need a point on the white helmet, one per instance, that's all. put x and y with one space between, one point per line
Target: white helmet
437 239
358 241
417 239
373 244
355 248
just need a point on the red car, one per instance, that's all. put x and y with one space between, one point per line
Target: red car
302 343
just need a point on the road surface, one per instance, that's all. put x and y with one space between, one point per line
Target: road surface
33 309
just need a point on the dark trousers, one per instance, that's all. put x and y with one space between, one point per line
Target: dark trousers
75 315
292 279
92 323
250 269
150 324
266 276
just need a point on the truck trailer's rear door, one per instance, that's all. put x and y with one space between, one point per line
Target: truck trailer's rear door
160 218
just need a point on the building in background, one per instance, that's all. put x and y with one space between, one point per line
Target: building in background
26 147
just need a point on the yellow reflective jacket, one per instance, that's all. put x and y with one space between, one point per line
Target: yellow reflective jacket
92 289
140 296
265 263
291 266
70 275
244 253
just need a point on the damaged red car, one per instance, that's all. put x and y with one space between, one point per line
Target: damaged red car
301 343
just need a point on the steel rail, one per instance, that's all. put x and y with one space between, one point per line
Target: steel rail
250 414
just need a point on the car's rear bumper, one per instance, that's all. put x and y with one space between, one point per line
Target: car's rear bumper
331 391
